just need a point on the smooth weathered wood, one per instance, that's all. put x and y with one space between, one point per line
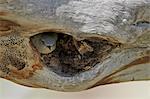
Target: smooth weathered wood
115 20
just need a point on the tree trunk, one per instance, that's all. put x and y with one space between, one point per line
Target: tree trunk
110 38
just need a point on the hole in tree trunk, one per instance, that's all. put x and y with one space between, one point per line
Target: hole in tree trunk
72 57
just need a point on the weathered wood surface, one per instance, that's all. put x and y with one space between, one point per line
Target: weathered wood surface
124 22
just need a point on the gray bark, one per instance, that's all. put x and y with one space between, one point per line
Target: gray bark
124 22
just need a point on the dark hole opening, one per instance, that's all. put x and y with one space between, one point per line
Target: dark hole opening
72 57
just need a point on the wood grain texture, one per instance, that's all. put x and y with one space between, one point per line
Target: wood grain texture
116 21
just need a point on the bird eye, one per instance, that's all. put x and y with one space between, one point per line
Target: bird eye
45 43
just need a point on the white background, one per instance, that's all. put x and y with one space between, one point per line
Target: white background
130 90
